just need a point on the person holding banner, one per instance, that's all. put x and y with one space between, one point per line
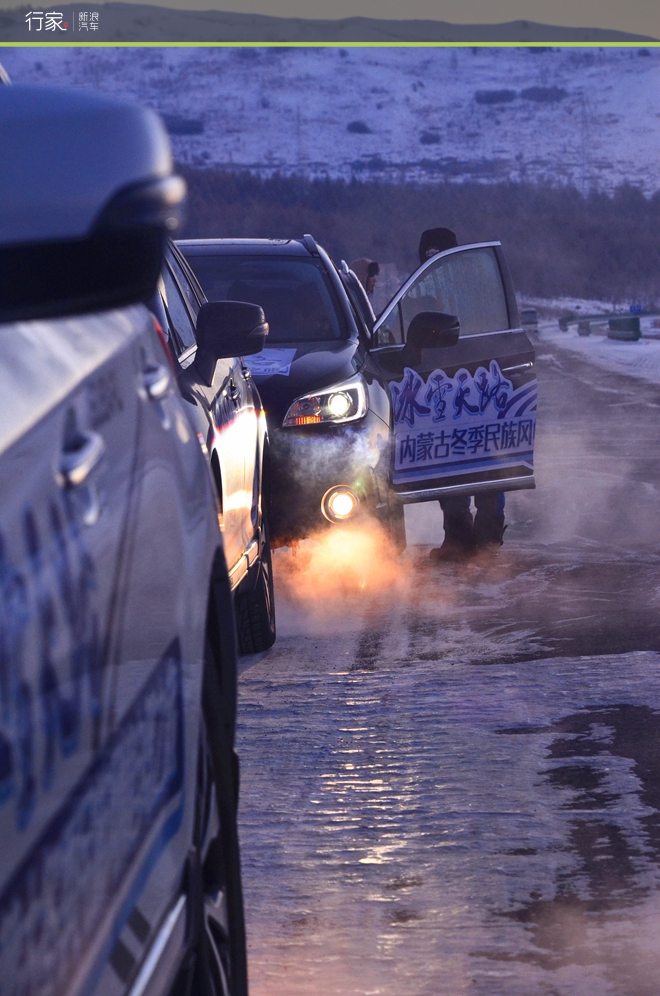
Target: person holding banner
464 534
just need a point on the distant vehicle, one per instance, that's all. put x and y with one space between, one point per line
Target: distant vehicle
226 411
436 397
529 319
119 867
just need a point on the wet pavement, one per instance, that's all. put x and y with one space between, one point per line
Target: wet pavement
451 774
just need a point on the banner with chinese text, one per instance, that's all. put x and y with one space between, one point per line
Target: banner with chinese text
446 426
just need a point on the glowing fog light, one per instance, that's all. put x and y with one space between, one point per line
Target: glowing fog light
339 404
339 504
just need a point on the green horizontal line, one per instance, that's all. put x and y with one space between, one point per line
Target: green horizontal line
325 44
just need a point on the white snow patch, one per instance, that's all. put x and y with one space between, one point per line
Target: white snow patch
424 524
415 112
639 359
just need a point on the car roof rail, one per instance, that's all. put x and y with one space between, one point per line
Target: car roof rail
310 245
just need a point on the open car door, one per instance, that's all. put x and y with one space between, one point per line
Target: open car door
463 415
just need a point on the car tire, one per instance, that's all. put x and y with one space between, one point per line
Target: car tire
255 606
216 962
220 967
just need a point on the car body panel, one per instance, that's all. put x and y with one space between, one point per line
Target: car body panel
97 724
111 563
324 363
226 416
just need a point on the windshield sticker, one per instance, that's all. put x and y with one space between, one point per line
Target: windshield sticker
446 426
271 361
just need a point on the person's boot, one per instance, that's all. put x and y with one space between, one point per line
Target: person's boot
459 538
488 530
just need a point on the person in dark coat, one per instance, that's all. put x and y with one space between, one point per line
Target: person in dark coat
464 534
435 240
366 270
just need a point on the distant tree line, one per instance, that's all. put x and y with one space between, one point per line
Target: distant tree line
558 241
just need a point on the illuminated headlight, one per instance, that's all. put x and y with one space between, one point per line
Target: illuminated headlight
339 404
339 503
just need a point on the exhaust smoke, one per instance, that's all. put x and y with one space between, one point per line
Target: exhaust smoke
329 580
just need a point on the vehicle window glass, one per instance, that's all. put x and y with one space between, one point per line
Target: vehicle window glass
358 317
467 284
361 311
389 333
296 294
187 290
177 310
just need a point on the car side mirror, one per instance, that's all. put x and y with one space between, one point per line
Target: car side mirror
226 329
428 330
433 330
86 198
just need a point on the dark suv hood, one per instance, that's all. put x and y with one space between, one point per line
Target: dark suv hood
314 366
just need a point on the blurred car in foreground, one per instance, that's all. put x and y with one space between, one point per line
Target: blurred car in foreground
208 343
437 397
119 867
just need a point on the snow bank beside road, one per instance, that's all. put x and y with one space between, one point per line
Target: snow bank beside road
636 359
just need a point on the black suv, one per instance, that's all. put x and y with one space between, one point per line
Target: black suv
437 397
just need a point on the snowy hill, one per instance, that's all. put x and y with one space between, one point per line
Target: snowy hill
146 22
590 117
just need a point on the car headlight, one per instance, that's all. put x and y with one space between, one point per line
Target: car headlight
341 403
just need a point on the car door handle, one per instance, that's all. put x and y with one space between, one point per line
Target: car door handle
518 368
77 464
157 382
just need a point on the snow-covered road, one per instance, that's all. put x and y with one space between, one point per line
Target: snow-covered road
639 359
451 775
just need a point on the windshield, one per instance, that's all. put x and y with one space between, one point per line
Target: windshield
296 295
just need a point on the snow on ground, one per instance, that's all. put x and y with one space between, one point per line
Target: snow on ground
636 359
582 116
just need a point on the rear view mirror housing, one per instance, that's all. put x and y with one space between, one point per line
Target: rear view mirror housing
226 329
429 330
433 330
86 197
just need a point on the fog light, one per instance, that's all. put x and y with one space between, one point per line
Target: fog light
339 503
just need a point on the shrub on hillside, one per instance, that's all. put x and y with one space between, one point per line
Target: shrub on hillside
495 96
557 240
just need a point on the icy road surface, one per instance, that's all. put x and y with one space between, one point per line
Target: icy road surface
451 775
